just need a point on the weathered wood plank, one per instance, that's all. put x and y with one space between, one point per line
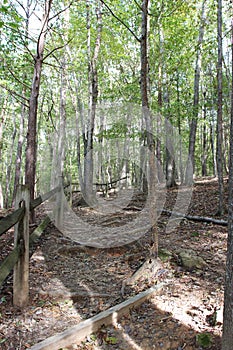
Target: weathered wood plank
76 334
21 240
39 200
10 220
8 264
39 230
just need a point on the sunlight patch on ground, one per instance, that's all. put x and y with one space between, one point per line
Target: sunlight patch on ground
125 336
189 310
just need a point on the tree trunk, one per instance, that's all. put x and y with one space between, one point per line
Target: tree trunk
181 169
219 116
18 162
193 124
2 118
170 153
9 167
204 142
93 96
31 149
212 143
152 176
227 337
62 126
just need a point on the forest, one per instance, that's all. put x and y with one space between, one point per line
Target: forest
116 157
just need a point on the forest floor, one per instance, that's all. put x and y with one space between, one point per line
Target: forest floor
70 283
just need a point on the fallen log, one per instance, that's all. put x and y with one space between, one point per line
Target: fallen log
195 218
110 182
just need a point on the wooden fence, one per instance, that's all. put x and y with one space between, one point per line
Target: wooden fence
18 258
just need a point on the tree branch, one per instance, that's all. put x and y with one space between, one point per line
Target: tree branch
57 14
120 20
56 49
139 6
15 94
17 79
195 218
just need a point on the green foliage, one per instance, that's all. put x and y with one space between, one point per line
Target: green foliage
172 46
204 339
111 340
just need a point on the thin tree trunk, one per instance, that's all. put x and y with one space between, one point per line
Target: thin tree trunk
18 163
93 96
212 143
9 167
204 142
152 178
62 126
31 149
193 124
160 101
181 175
2 119
219 116
227 337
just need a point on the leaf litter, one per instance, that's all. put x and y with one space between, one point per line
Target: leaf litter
70 283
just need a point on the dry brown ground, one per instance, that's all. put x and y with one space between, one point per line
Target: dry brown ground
70 283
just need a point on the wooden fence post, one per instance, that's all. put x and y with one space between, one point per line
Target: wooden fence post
70 190
21 239
59 209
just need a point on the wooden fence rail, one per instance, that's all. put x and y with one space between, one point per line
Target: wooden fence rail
18 258
10 220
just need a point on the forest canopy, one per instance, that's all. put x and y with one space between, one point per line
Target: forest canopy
91 62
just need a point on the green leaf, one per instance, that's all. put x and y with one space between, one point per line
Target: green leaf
204 340
93 337
111 340
4 9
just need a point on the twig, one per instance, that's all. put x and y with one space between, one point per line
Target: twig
122 22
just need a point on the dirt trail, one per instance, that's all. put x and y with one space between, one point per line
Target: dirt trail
69 283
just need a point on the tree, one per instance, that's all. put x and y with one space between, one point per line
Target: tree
92 103
193 124
152 176
227 337
31 149
219 114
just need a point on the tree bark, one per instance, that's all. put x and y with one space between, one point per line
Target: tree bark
93 96
2 119
152 176
219 114
31 149
193 124
227 337
18 161
9 167
181 169
212 143
204 142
